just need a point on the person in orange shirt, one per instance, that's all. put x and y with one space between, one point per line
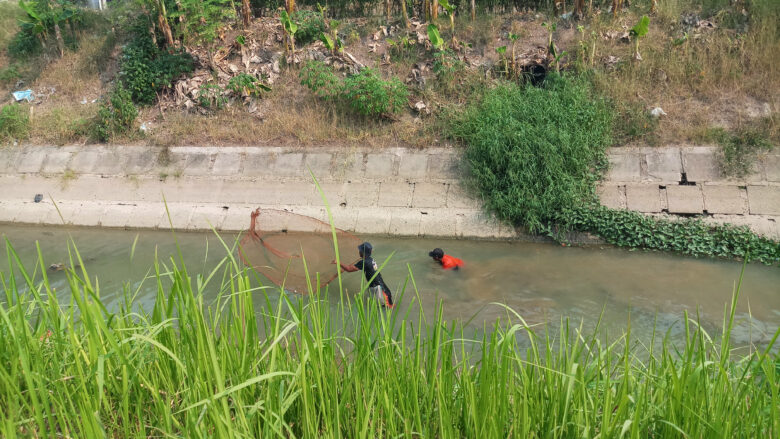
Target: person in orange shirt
447 262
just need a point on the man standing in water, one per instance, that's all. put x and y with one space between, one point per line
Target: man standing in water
376 287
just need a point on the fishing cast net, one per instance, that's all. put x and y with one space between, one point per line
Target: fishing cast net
284 246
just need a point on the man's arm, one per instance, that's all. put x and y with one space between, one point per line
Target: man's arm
349 268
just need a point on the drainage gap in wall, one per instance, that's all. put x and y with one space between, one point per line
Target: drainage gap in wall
684 181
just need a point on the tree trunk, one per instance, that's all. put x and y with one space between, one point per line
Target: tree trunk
246 12
435 10
165 28
60 43
388 10
652 7
290 6
406 16
473 10
427 10
614 8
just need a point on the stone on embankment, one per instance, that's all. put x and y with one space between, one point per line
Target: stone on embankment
56 162
701 164
379 166
664 165
724 199
395 194
226 163
643 198
413 165
764 200
772 167
429 195
611 196
685 199
624 166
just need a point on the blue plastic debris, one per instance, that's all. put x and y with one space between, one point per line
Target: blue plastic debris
24 95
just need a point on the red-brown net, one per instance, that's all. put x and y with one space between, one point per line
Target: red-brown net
284 246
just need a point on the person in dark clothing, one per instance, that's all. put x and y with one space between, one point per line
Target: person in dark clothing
377 288
447 262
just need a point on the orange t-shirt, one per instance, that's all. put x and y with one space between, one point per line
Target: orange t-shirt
448 262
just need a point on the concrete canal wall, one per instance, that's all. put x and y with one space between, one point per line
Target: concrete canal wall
403 192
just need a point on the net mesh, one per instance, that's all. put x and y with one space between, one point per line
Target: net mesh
284 246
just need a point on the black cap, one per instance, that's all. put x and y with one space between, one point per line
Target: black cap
436 253
365 249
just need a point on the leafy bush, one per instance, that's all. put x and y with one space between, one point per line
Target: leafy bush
211 96
9 74
368 94
310 26
687 236
145 69
244 84
14 122
365 93
534 151
116 115
25 43
320 79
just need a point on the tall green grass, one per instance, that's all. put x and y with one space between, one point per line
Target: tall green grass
255 362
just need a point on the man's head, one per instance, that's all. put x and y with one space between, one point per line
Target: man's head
365 249
436 254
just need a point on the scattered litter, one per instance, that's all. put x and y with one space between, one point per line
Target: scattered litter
24 95
567 15
84 101
38 198
657 112
145 127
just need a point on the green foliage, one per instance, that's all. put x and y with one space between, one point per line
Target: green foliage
9 74
211 96
534 151
402 49
25 43
320 79
116 115
202 19
145 69
310 25
370 95
246 85
435 37
640 29
14 122
365 93
289 25
741 146
447 67
686 236
219 354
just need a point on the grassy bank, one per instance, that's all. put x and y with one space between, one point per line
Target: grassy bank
256 363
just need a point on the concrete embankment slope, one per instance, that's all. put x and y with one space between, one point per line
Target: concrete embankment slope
390 191
403 192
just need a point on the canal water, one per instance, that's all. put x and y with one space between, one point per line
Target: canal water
542 282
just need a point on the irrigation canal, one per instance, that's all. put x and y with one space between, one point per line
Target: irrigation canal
542 282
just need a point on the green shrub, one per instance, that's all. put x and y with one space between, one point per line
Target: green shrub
686 236
245 84
369 95
535 151
740 147
320 79
365 93
116 115
9 74
145 69
14 122
24 44
310 26
211 96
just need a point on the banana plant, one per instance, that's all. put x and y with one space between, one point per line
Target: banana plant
552 51
34 20
450 13
502 54
637 32
290 28
513 38
435 37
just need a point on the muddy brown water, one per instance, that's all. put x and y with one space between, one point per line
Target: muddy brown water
541 282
